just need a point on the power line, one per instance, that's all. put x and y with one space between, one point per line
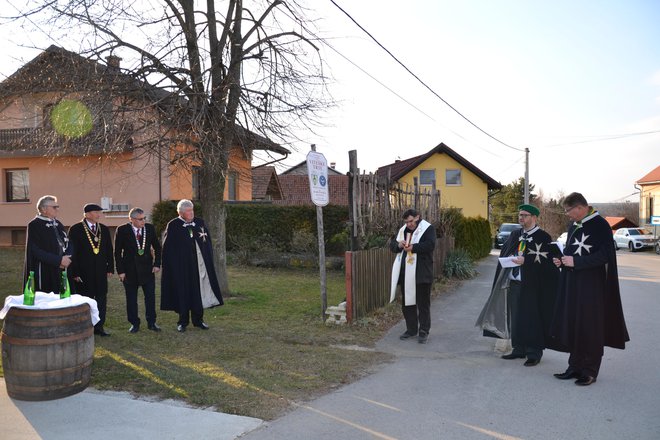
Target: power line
420 81
374 78
604 138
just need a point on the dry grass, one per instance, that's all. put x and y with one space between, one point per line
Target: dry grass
266 346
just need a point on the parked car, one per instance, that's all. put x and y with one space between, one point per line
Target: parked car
503 233
657 247
562 238
634 239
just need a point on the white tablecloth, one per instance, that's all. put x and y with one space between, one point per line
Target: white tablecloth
43 300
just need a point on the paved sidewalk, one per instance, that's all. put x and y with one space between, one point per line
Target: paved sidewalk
112 416
454 387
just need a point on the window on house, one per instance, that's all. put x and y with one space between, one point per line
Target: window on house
17 183
196 187
453 177
426 177
232 185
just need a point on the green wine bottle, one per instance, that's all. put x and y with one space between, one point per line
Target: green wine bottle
28 292
65 290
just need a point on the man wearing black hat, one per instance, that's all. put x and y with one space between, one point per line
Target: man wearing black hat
92 260
522 299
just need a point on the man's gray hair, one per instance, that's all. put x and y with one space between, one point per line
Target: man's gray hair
43 200
183 204
135 212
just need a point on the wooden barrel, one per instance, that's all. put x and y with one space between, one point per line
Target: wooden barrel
47 354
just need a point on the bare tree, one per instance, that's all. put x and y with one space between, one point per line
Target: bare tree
215 78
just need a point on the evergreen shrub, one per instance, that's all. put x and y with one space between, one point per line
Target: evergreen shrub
272 224
473 235
458 264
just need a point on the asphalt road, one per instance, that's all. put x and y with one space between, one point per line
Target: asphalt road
457 387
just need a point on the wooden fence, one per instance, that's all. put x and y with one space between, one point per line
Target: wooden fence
377 204
369 274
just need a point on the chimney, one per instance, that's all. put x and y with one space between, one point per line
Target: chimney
113 61
333 165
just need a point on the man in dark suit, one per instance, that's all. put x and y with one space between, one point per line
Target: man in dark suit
137 257
92 263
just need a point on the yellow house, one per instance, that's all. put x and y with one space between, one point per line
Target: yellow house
649 198
461 184
114 162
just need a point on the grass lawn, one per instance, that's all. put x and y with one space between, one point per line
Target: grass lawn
266 347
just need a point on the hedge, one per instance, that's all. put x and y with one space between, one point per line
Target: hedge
473 235
271 225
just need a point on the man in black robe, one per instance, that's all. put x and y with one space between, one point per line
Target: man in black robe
413 271
189 283
523 297
589 315
137 257
93 261
47 250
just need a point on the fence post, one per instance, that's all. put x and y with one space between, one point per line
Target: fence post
352 200
348 264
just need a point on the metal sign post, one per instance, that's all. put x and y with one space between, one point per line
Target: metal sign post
317 171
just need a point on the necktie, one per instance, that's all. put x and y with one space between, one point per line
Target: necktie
93 229
523 237
139 235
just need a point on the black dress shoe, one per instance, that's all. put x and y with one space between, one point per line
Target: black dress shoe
532 362
202 325
568 374
154 327
101 332
181 328
134 329
513 356
407 335
422 338
585 380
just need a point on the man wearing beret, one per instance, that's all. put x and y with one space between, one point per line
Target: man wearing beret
522 300
92 260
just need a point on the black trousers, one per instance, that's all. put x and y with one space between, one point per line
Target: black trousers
418 316
585 364
149 290
520 334
102 304
197 317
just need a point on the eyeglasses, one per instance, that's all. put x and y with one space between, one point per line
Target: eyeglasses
524 215
140 219
566 211
53 206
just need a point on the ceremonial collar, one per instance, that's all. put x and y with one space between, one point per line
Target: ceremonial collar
531 231
46 219
185 223
586 219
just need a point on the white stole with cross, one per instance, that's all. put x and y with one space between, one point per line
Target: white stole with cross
410 284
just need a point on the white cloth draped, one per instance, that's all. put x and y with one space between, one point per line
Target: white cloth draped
410 287
43 301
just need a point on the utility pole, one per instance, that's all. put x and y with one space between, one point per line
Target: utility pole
526 201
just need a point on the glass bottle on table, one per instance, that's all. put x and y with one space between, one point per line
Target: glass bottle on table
65 290
28 292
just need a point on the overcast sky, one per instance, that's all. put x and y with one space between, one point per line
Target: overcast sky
560 78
